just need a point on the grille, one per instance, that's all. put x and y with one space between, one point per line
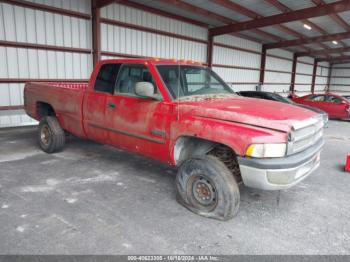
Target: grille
306 134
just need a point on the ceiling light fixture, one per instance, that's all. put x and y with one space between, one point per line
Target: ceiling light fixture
307 27
334 42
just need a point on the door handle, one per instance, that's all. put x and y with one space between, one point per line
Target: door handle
111 105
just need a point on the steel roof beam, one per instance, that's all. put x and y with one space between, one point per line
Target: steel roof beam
341 62
306 13
283 8
309 40
334 59
249 13
103 3
208 14
325 52
336 18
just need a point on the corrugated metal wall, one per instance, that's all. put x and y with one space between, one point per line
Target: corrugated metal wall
238 66
126 41
340 79
321 77
26 25
278 71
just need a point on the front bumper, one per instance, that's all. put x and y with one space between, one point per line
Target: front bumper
280 173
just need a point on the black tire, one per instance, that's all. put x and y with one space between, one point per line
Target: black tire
50 135
207 187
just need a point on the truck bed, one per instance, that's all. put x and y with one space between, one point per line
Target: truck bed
65 97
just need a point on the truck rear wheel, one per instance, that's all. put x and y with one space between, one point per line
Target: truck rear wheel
206 187
50 134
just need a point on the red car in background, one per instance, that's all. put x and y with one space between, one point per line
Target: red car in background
336 106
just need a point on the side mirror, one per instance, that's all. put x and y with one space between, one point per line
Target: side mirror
343 102
145 89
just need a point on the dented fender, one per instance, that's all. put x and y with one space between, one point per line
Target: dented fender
237 136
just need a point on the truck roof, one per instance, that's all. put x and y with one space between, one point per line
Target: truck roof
153 61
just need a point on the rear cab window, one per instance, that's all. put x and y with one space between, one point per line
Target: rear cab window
106 78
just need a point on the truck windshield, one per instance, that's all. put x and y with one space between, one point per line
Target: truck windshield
186 80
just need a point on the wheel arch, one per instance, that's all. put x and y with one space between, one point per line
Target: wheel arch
44 109
186 147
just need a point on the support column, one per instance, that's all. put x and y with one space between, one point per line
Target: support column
314 76
210 50
96 32
294 70
329 76
262 65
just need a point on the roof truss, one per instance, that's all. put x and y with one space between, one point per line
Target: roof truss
306 13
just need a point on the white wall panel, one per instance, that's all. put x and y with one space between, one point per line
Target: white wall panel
304 68
237 75
340 79
138 17
134 42
282 89
321 77
12 94
341 65
274 63
242 87
280 52
303 79
340 72
29 63
27 25
275 77
278 81
33 26
238 42
237 58
82 6
306 59
225 56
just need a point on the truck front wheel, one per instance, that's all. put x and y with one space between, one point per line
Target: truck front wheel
50 135
206 187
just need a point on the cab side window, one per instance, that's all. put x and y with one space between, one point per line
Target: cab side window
333 99
128 77
317 98
106 78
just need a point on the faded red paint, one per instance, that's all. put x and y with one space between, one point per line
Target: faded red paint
151 127
339 110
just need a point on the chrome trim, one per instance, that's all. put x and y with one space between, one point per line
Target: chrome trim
259 178
304 134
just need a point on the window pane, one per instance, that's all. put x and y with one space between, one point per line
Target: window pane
316 98
184 80
333 99
106 78
130 75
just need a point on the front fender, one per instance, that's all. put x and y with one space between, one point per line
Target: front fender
237 136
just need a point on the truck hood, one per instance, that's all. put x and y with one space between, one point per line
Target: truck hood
250 111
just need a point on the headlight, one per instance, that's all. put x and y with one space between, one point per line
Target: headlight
266 150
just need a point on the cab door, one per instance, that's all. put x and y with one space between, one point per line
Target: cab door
336 106
316 101
95 103
135 123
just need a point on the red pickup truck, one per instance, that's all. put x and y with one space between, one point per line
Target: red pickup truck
183 114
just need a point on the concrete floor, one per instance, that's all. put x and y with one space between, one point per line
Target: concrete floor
93 199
